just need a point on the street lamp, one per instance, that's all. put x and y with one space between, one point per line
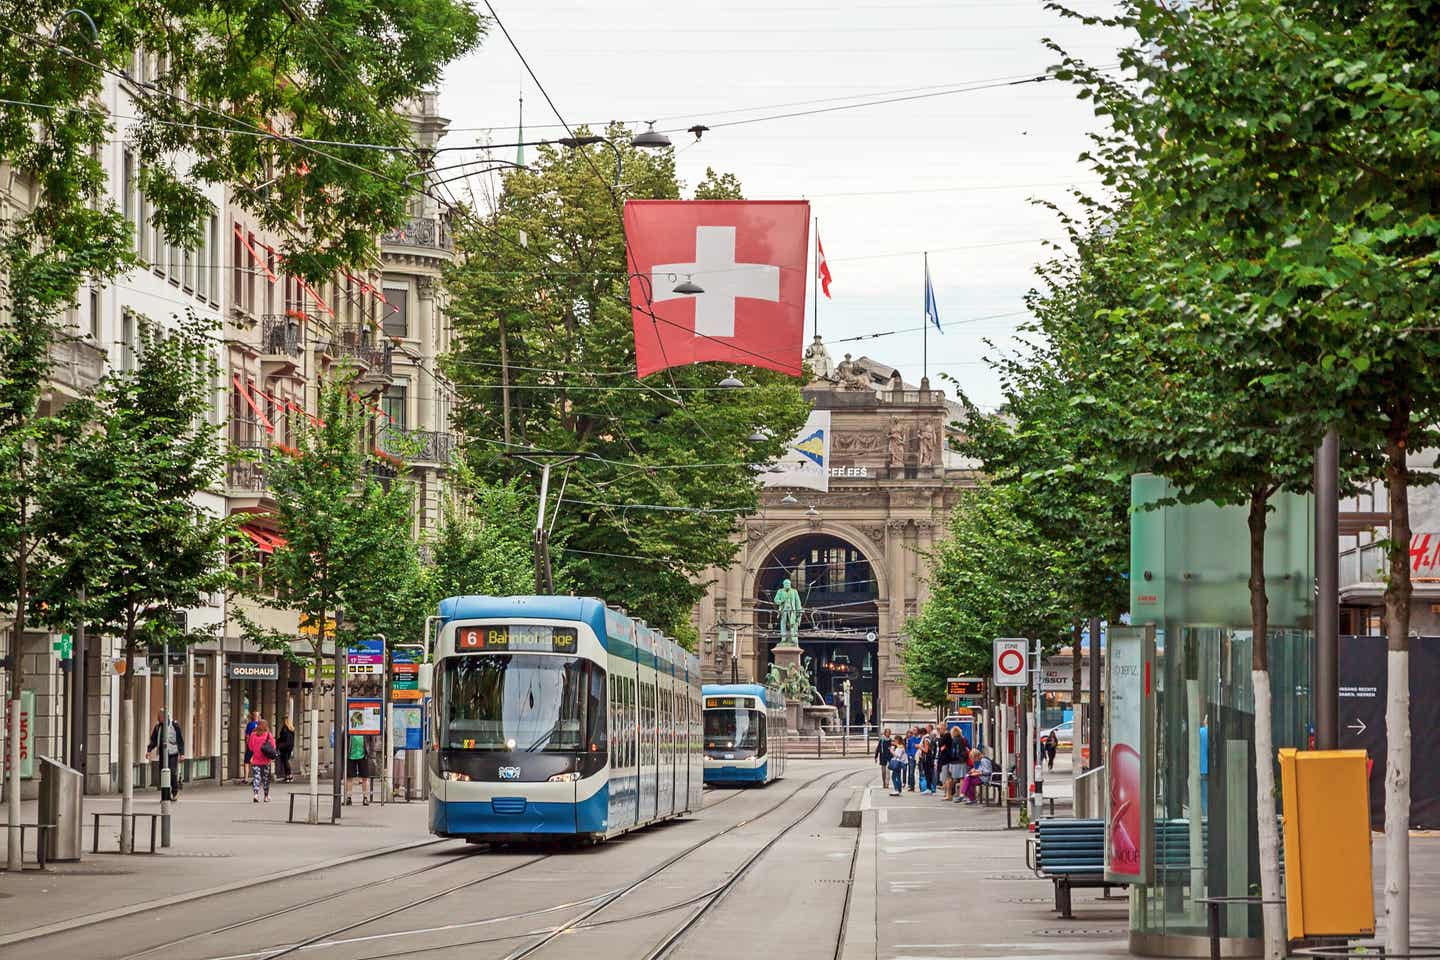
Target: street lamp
789 498
650 138
688 287
731 382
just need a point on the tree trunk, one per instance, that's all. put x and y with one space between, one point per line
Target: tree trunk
1076 668
1397 705
17 683
1266 831
313 722
127 742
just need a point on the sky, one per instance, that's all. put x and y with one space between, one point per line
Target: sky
955 174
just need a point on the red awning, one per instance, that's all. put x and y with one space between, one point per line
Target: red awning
265 540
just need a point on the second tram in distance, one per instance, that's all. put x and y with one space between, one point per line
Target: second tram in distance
745 729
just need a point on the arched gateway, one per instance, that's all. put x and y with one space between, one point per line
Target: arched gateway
855 552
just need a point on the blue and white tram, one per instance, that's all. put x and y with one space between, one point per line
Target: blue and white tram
558 716
745 730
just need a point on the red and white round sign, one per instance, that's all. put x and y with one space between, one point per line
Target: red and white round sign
1012 658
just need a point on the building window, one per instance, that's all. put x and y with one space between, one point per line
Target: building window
95 315
187 268
392 402
237 271
127 341
213 260
397 310
127 189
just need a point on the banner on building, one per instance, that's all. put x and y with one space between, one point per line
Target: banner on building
806 460
27 736
1129 755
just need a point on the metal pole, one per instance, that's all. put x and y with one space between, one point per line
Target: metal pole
385 719
78 725
162 747
1097 732
925 327
542 559
815 303
341 751
1327 592
734 655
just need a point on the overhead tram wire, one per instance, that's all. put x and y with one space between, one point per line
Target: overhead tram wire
452 205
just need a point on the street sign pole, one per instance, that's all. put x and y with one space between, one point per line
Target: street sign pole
162 747
385 718
341 751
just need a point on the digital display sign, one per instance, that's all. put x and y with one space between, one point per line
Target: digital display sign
726 703
964 687
516 638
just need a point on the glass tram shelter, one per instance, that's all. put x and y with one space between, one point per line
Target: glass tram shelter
1189 572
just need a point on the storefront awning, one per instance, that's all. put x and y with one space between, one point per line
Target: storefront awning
265 540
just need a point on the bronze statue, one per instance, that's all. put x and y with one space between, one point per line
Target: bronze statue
787 601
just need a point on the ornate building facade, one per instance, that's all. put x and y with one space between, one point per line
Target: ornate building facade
856 553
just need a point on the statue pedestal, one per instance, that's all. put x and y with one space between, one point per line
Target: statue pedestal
785 657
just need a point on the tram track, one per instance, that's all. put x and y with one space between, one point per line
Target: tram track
584 922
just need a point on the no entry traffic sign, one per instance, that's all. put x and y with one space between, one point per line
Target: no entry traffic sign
1012 660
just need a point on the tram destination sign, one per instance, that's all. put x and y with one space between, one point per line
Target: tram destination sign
516 638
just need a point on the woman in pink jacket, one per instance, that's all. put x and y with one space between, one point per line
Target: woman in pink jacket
261 752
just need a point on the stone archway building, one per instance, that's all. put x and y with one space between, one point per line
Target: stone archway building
858 557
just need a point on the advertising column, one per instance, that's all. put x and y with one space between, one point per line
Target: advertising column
1129 754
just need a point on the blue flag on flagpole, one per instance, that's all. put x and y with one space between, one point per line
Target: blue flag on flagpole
932 312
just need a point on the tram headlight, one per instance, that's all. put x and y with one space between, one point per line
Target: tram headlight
455 775
564 777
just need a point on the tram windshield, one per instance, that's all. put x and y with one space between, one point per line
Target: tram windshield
525 703
732 729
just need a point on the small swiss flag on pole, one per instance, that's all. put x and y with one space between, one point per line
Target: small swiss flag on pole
748 260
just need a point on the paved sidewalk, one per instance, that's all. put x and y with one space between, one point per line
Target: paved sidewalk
221 840
937 879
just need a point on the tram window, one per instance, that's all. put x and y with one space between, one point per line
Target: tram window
522 702
595 740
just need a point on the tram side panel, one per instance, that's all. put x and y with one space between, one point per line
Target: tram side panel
623 784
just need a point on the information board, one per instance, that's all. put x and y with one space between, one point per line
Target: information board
365 716
27 736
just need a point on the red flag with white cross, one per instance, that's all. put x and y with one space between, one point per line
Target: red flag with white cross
718 280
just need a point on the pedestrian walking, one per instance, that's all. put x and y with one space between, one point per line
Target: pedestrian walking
897 764
261 750
285 743
912 747
945 764
925 760
250 726
174 752
357 768
1052 744
882 756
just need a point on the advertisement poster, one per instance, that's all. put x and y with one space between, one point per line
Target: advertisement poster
806 461
1129 722
406 728
27 736
365 716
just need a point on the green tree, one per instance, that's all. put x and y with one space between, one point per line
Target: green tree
993 576
545 359
123 519
483 545
347 524
1280 156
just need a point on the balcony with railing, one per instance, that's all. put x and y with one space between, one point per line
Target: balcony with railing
417 446
362 348
75 366
430 232
281 335
245 472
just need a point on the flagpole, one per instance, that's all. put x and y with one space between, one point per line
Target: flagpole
925 325
815 308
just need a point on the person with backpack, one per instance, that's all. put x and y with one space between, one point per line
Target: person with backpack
897 764
261 751
912 748
925 762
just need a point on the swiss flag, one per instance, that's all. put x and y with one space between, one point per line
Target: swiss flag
748 257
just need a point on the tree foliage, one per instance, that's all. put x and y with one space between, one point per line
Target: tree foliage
993 576
540 290
483 543
347 524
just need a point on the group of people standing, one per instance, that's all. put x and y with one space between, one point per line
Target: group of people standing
941 762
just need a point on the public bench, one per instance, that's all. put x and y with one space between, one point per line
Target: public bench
42 846
1071 854
154 821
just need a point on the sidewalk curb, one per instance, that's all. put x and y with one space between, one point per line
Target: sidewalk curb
50 929
861 933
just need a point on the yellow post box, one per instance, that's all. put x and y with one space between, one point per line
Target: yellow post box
1325 797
